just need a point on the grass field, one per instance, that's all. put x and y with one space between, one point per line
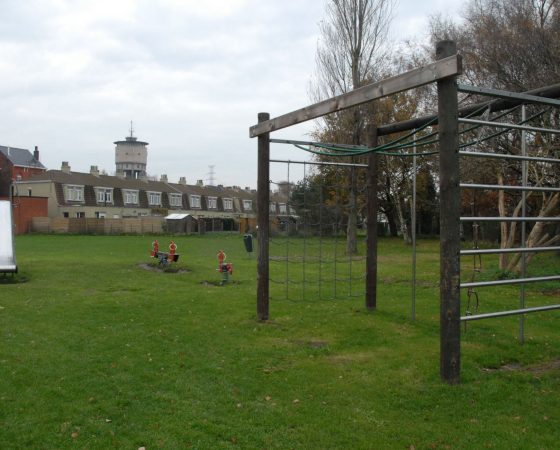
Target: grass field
96 352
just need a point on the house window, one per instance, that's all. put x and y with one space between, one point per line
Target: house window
130 197
104 195
175 200
272 207
66 215
212 202
282 208
100 215
247 205
228 204
74 193
195 201
154 198
292 211
80 215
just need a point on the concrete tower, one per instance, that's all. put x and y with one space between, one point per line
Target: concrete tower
131 156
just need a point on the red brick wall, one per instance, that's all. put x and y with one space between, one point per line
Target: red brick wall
25 208
24 172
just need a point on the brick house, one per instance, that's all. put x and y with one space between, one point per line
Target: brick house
18 164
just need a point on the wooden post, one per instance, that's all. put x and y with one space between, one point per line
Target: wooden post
263 201
371 259
450 297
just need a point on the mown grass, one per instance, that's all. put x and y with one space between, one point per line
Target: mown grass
97 352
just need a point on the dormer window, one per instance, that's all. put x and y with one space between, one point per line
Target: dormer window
212 202
130 197
282 207
74 193
175 200
154 198
104 195
228 204
195 201
247 205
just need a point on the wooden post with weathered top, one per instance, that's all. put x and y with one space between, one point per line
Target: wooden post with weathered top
263 201
450 298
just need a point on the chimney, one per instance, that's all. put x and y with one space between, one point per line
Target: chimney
94 171
247 188
36 153
65 167
183 181
120 174
199 183
163 178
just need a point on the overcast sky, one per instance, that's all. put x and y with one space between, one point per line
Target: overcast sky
192 76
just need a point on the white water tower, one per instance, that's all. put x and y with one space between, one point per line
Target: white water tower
131 156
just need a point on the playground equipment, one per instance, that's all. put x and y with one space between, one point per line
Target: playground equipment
226 269
451 122
7 249
165 257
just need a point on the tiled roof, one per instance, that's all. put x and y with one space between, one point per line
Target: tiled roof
119 184
21 157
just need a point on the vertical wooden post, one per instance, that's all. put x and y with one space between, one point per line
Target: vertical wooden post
371 258
450 315
263 201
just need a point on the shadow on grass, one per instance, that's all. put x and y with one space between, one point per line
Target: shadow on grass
13 278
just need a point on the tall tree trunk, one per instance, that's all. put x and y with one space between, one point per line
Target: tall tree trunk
537 237
504 257
402 221
393 230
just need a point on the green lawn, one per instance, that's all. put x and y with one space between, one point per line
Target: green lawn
97 352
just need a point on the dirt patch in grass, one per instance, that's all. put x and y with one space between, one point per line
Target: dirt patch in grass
167 269
537 369
218 283
551 292
348 358
311 343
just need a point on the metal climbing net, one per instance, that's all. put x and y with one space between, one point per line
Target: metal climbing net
308 246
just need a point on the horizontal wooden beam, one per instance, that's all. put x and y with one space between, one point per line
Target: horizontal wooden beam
443 68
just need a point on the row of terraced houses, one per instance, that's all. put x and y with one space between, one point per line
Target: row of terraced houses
183 207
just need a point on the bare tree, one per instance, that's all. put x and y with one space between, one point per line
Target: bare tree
351 52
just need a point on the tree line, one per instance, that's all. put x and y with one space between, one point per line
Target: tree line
506 44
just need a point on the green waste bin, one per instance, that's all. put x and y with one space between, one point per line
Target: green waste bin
248 241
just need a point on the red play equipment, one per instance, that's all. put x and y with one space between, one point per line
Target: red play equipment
226 269
165 257
155 249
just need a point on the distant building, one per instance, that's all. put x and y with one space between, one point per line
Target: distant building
64 194
17 164
92 195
